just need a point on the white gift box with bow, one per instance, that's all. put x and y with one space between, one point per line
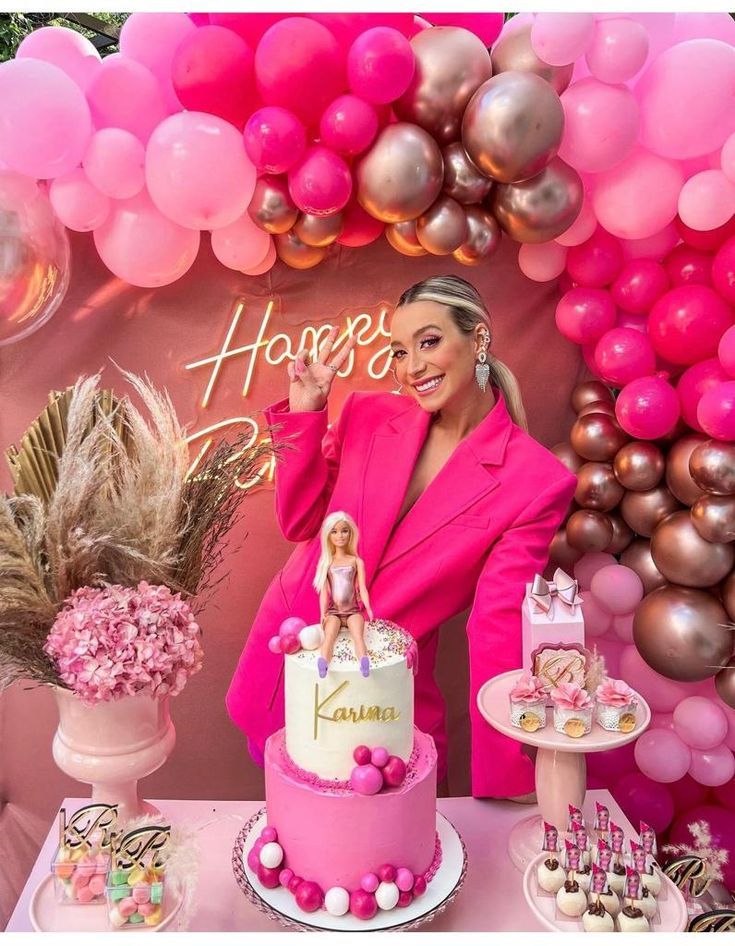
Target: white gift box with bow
553 623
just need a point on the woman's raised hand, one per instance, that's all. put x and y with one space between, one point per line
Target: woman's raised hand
311 381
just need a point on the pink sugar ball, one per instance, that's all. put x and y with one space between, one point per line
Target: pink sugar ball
361 755
404 898
142 894
294 883
253 859
127 907
387 873
285 876
363 905
97 884
309 896
291 626
274 645
290 643
269 834
268 876
394 771
259 845
379 756
366 779
419 886
85 895
404 879
369 882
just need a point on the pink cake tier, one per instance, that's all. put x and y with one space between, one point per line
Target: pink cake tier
333 836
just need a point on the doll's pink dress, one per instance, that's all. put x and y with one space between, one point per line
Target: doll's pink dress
343 597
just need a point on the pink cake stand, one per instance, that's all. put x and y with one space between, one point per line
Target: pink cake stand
561 770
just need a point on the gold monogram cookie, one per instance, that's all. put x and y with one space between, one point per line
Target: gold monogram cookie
627 722
574 727
530 722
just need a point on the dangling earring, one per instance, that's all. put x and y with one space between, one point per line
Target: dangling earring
482 368
400 386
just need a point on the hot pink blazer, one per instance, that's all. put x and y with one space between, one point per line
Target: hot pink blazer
474 537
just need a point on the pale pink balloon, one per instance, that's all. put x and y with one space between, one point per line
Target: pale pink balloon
647 408
584 315
124 94
624 354
348 125
623 627
152 39
716 411
141 246
661 693
73 53
380 65
638 198
662 756
617 588
700 723
582 228
542 261
707 200
712 766
686 99
600 125
115 163
590 564
320 183
44 119
726 351
727 158
654 247
197 171
241 245
560 38
266 263
704 26
618 50
597 620
662 721
694 382
77 202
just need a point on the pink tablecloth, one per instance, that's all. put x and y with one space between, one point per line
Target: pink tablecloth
490 900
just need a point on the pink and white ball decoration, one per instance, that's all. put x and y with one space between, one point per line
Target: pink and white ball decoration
294 634
375 770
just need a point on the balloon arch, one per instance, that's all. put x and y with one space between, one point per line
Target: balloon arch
604 145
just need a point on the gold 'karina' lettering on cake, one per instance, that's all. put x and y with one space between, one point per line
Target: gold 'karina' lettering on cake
349 714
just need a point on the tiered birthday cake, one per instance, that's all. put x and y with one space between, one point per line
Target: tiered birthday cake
350 782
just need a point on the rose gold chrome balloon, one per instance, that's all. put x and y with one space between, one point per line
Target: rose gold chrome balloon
462 180
401 175
597 487
271 207
540 209
644 510
728 595
639 465
589 530
714 518
483 237
679 632
597 407
402 237
318 231
725 684
512 126
597 437
588 391
622 535
514 52
561 553
712 465
296 254
685 558
451 63
638 557
564 452
443 228
678 478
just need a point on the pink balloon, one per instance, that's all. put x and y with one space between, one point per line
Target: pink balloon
321 182
693 383
348 125
723 271
582 228
560 38
248 26
723 794
153 39
699 76
115 163
700 723
716 411
643 799
707 240
596 262
661 693
485 25
639 284
606 768
274 139
727 158
712 766
617 588
299 66
685 266
686 324
600 125
597 619
584 315
359 227
630 320
707 200
44 119
380 65
241 245
726 352
623 627
124 94
647 408
346 27
77 202
182 156
687 793
199 19
622 355
704 25
618 50
67 49
588 566
721 822
662 756
141 246
213 71
266 263
611 650
654 247
542 261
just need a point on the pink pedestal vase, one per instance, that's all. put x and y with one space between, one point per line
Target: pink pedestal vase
112 745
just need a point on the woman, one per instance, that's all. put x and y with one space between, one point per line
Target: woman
456 506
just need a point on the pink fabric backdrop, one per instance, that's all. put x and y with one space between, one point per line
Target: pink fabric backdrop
160 332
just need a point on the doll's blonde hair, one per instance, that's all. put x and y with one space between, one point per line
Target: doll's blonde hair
327 553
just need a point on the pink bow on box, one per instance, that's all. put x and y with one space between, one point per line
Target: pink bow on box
563 587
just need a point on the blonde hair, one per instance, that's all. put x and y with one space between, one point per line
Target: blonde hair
327 553
468 310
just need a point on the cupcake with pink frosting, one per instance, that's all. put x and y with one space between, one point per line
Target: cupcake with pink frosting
528 703
616 705
572 709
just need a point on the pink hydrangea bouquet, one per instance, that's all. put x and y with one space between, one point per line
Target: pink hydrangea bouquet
115 641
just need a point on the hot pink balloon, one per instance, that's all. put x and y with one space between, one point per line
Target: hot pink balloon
639 284
726 352
597 620
686 324
359 228
642 798
687 793
632 320
716 411
241 245
661 693
605 768
380 65
662 756
712 766
77 202
582 228
727 158
590 564
346 27
654 247
67 49
560 38
617 588
321 183
685 266
600 125
700 723
618 50
44 119
115 163
124 94
248 26
348 125
622 355
152 39
723 271
647 408
695 382
183 155
142 247
274 139
597 261
584 315
542 261
707 240
707 200
485 25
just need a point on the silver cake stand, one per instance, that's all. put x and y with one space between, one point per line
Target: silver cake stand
279 905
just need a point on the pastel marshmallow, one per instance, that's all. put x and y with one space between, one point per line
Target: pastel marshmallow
142 893
85 895
128 906
116 918
154 918
147 909
97 884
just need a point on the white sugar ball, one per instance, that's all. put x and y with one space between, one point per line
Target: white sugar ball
337 901
116 918
271 854
386 896
311 637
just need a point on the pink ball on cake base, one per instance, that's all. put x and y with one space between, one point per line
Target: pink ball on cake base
366 779
363 904
268 876
309 896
